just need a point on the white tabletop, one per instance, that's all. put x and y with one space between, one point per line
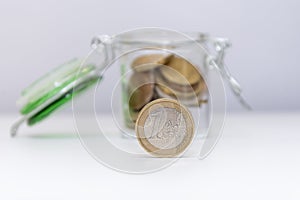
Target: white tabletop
258 157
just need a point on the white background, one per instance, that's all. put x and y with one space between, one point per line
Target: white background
256 158
258 154
36 36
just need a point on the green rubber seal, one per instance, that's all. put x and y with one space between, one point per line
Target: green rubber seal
66 98
53 84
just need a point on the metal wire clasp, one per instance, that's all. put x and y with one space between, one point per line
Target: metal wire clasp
217 62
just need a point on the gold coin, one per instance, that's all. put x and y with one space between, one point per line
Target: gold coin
196 101
181 91
133 114
164 128
131 117
180 71
149 62
140 89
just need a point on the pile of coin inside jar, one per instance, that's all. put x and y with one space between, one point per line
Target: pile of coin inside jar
158 76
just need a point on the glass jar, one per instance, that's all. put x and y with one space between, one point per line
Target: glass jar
143 56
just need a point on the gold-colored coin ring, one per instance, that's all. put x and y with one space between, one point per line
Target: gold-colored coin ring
145 143
180 71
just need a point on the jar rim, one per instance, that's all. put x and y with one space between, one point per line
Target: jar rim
146 37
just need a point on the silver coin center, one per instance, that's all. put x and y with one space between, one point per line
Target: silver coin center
165 128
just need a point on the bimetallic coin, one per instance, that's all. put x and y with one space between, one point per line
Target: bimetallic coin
180 71
164 128
149 62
